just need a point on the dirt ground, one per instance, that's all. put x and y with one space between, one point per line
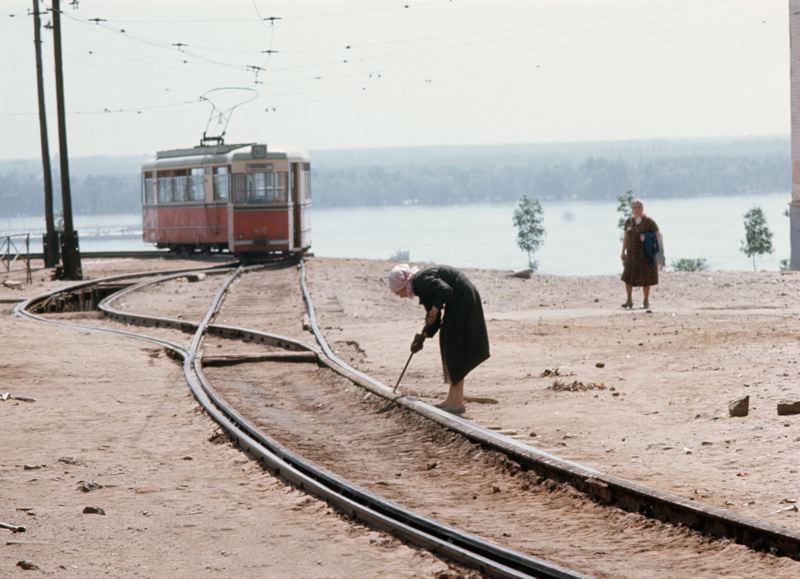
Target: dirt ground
178 499
642 395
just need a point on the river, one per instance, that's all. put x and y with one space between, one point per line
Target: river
581 237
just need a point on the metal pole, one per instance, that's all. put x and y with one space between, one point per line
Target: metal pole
71 257
50 242
403 373
28 275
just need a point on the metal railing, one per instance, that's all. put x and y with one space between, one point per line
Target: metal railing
11 252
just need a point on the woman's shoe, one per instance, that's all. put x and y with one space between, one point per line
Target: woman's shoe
646 306
628 305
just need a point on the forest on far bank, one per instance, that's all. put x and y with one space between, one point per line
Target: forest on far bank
443 175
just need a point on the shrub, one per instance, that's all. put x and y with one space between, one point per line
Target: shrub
529 221
758 237
690 264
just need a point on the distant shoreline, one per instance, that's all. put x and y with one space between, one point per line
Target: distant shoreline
462 174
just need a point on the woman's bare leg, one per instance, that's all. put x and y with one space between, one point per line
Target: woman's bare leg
454 403
646 291
628 290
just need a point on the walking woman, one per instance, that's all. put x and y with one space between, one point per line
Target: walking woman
452 307
640 245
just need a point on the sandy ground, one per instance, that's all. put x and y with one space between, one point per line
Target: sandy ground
641 395
179 501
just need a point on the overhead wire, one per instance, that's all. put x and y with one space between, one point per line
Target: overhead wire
362 60
171 46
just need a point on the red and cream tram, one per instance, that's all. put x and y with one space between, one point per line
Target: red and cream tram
245 199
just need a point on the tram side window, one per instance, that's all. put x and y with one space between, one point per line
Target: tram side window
239 187
221 183
179 189
196 191
164 190
147 192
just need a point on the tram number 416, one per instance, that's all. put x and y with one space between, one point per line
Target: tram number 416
260 230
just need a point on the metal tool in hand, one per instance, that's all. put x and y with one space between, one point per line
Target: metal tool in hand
409 359
402 373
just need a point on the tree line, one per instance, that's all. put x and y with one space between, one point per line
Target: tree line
459 174
23 194
592 178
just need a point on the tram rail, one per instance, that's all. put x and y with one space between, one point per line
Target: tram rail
453 544
602 487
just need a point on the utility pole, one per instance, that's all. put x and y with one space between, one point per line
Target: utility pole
70 253
50 241
794 80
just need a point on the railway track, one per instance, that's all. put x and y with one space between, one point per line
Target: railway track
496 475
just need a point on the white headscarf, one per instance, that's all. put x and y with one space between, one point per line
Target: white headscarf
401 276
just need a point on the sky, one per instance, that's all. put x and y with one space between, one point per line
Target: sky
148 75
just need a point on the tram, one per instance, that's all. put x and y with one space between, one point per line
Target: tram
246 199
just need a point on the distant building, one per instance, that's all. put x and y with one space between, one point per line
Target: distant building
794 59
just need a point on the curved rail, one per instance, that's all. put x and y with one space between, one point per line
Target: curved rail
454 544
359 503
602 487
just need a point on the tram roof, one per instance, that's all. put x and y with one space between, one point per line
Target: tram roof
200 150
223 154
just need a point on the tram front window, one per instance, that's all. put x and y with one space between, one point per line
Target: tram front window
260 187
281 187
307 182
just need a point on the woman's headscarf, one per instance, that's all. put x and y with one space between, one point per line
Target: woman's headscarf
400 277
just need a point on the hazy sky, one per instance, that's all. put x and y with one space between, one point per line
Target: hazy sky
375 73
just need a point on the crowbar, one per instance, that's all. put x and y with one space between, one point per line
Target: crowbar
402 373
422 333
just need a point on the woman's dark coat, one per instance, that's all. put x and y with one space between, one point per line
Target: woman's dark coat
638 270
463 341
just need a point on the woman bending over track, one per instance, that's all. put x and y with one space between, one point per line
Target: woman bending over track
453 307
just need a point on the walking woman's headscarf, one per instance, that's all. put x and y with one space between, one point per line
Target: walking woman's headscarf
400 277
